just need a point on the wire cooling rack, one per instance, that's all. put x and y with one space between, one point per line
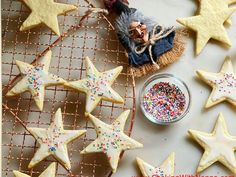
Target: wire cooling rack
92 36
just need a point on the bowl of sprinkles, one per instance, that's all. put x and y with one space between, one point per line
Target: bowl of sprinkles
164 99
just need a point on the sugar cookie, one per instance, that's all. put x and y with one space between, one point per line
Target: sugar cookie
46 12
166 168
219 146
223 83
53 141
208 24
111 140
97 86
218 5
35 79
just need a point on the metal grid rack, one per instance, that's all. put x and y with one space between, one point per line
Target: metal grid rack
92 36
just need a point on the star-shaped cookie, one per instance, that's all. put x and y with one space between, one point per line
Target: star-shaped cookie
35 79
223 83
217 5
166 168
49 172
219 146
97 86
53 141
111 139
208 24
45 12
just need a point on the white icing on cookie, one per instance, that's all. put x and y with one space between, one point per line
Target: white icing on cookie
223 83
225 87
166 169
35 79
97 86
219 146
53 141
111 140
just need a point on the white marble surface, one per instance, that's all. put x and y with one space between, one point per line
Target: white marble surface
160 141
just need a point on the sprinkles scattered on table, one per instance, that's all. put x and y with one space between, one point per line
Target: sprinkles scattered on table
164 101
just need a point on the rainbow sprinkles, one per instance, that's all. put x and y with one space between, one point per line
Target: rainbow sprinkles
164 100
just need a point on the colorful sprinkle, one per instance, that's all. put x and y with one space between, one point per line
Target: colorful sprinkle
227 84
157 172
110 141
52 149
53 139
36 78
97 85
164 101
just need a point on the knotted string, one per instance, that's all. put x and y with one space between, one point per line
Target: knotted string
153 39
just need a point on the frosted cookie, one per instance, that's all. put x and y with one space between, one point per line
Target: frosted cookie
45 12
166 168
97 86
111 139
53 141
219 146
223 83
49 172
208 24
35 79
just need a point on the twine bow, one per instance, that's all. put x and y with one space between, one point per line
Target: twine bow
153 39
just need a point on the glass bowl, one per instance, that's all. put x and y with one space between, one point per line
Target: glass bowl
164 99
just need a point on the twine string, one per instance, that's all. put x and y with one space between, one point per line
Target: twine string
153 39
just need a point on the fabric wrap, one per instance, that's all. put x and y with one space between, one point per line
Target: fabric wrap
157 49
160 47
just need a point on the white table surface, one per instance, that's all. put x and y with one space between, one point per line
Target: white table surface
160 141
